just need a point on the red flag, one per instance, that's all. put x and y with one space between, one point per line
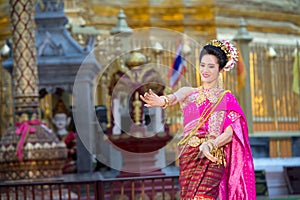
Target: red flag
178 67
241 73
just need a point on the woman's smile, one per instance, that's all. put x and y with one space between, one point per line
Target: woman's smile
205 75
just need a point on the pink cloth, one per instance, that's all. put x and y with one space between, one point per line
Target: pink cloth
23 129
238 182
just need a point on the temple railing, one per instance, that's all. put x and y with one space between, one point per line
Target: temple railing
93 187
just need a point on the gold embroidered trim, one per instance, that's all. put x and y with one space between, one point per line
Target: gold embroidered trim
207 112
211 94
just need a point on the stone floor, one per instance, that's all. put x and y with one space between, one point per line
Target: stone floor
274 171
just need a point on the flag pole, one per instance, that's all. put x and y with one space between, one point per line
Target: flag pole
297 56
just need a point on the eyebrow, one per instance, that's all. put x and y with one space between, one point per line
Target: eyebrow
208 63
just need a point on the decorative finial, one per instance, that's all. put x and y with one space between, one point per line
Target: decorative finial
137 109
242 33
157 48
121 26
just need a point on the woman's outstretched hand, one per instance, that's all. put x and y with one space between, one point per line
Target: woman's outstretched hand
152 100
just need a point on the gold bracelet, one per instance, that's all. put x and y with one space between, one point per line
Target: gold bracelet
167 102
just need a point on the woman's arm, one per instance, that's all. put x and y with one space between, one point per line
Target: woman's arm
181 94
153 100
224 138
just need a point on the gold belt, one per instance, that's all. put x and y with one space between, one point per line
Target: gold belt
195 141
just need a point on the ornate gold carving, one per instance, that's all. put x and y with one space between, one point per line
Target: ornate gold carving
136 59
142 74
43 155
137 109
24 55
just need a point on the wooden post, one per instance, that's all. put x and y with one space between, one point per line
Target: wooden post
271 54
243 39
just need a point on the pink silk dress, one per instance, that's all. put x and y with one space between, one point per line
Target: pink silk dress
202 179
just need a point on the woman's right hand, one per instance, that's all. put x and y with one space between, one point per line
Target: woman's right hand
204 151
152 100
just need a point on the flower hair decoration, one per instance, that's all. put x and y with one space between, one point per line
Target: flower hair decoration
230 51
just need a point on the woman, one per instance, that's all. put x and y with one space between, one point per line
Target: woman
215 159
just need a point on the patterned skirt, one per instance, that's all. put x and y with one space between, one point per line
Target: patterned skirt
199 178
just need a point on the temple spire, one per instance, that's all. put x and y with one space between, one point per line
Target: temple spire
25 74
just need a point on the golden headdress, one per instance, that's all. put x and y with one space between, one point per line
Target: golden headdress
229 50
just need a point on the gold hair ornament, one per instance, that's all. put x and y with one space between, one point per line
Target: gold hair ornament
229 50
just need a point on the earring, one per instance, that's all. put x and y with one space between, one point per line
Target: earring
220 80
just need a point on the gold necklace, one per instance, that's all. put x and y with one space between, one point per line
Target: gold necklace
212 94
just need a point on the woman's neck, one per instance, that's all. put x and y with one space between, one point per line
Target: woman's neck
210 85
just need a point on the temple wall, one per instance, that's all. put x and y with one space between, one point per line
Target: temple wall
268 21
200 19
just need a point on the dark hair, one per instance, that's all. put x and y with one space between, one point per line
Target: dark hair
216 51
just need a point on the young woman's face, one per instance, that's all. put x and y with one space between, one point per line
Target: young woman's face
209 69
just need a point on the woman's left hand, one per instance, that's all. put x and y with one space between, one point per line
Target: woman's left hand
204 150
152 100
